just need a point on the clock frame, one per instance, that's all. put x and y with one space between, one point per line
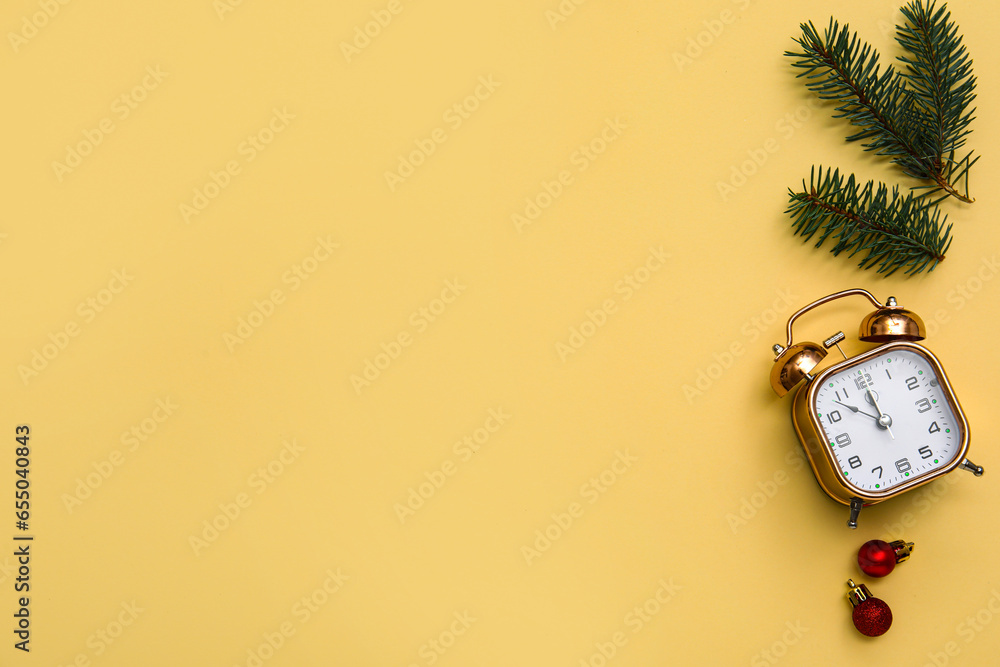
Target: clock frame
825 466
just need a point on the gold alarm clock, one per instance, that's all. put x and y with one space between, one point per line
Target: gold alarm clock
877 424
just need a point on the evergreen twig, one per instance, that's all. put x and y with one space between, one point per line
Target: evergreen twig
894 231
918 117
940 85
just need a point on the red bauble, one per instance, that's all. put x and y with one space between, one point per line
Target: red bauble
876 559
872 617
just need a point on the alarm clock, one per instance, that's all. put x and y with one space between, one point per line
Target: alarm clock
878 424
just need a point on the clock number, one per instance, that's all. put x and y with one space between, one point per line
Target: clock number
933 429
879 468
834 416
923 405
912 383
843 440
902 465
863 381
925 452
855 461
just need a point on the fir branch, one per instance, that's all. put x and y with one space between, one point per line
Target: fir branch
894 231
838 66
940 84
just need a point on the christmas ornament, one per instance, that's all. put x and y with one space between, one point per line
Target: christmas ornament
877 558
878 424
871 616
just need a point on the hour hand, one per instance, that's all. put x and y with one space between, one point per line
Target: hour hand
854 409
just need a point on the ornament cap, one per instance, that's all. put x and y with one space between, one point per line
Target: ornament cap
902 549
858 593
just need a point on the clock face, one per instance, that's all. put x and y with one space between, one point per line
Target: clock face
889 420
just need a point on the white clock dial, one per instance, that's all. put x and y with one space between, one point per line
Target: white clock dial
888 420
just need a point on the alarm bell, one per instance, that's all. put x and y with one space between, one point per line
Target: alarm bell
794 363
890 323
886 324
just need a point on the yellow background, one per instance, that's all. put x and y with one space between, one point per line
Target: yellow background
729 589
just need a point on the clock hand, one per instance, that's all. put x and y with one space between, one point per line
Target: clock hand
884 420
854 409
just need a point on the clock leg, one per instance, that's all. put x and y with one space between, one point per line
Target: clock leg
856 505
971 467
